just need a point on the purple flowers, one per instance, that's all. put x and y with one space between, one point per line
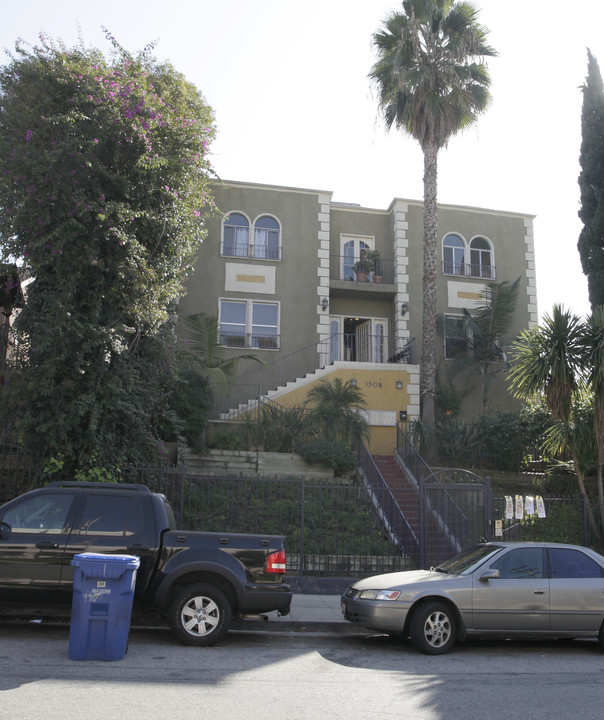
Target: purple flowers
28 135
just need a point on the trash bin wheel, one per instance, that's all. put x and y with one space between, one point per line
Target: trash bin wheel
200 614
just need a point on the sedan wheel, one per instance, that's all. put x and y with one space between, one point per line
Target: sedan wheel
433 628
200 615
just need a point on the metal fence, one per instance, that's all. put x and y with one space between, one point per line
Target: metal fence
566 520
331 528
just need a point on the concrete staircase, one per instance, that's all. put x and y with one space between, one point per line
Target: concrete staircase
404 492
252 404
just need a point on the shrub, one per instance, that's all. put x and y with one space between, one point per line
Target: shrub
325 452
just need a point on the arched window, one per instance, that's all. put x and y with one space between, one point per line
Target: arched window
353 250
236 235
454 250
266 238
481 258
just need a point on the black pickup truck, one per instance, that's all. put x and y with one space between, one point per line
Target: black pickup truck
199 581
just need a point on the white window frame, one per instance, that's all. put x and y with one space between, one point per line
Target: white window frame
446 338
482 271
250 338
252 249
345 238
237 246
378 328
453 267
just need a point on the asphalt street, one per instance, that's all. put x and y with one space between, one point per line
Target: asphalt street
296 672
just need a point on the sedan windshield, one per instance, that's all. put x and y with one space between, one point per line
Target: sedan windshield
468 560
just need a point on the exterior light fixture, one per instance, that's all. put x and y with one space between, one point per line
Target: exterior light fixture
399 384
404 308
324 303
353 382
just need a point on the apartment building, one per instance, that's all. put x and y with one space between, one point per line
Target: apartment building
319 289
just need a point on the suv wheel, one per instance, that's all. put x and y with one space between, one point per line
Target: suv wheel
200 615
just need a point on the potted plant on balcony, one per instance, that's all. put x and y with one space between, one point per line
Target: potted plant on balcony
373 256
362 269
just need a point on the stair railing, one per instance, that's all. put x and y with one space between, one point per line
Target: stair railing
388 510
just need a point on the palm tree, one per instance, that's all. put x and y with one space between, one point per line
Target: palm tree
593 346
432 83
335 411
549 359
485 329
203 343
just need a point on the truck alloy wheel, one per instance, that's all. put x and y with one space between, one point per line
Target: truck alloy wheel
200 615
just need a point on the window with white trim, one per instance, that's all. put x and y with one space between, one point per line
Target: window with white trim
266 238
353 250
475 260
454 254
481 254
235 235
249 324
263 242
456 337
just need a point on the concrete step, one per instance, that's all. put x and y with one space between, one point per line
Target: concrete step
252 464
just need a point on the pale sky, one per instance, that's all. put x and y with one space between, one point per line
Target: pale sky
288 83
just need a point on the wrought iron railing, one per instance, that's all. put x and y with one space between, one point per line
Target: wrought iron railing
469 270
389 511
358 347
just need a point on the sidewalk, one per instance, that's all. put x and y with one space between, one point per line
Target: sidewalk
309 613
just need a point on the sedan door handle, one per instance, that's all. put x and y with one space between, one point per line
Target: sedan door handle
539 592
47 545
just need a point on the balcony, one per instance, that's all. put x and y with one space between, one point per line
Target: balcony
345 280
243 249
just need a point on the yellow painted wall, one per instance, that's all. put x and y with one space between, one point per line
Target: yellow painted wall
381 394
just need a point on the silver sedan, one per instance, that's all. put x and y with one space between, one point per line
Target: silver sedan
493 589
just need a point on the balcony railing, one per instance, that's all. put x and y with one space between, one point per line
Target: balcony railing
353 347
342 268
250 340
469 270
245 250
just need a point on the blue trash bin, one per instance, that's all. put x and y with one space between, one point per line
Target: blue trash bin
103 591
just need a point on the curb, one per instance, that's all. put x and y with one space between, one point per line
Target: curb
297 627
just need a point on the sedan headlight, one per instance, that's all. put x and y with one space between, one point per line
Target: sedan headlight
379 595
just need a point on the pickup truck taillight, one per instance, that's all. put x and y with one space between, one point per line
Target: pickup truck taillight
275 562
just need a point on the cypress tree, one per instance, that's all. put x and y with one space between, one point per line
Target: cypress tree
591 183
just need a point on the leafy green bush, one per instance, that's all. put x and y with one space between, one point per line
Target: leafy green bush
509 438
341 459
457 439
228 440
278 429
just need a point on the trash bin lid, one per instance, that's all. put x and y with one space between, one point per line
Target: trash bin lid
100 565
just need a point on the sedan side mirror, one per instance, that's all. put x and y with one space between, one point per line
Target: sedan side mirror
5 530
490 574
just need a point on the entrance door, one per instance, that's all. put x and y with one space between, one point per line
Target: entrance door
356 339
363 342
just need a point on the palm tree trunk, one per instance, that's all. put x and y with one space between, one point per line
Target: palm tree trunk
601 494
583 491
428 362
